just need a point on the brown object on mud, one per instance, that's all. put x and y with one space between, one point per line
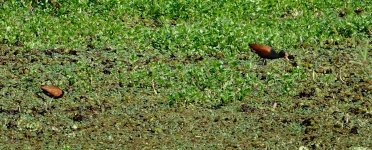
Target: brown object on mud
52 91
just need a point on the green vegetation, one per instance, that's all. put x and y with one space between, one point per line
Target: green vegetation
179 74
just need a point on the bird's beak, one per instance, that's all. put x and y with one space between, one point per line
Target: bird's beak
286 56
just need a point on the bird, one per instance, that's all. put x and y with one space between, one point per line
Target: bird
52 91
267 52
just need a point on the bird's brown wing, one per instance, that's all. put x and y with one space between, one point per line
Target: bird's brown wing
261 50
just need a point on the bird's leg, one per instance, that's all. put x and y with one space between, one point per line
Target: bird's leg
262 62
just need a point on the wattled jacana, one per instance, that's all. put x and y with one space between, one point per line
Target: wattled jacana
268 52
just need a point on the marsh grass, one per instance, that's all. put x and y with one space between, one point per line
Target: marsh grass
181 71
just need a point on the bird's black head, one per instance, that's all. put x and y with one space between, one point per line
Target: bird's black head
283 54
